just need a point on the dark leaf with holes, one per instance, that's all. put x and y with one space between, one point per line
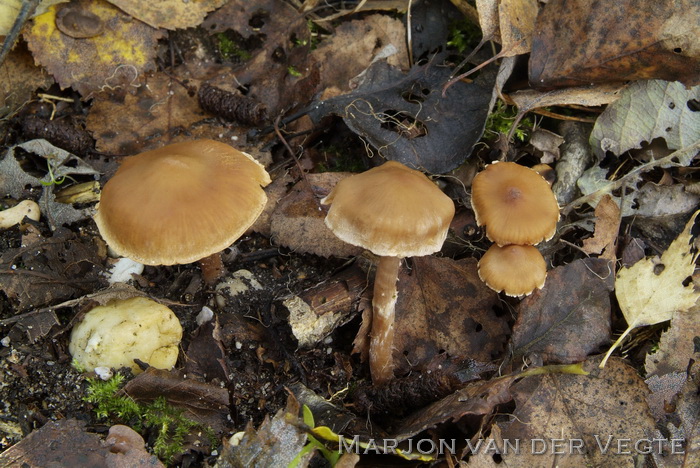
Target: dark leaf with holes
406 119
568 318
443 305
578 42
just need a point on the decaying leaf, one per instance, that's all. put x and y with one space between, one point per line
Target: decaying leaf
443 305
647 110
598 95
118 56
570 317
19 78
298 219
593 411
652 290
677 344
276 442
50 270
516 20
585 41
168 14
607 226
406 118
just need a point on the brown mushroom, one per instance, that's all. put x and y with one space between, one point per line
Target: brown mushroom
181 203
394 212
517 270
515 203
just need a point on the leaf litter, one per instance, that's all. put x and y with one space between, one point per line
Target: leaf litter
471 364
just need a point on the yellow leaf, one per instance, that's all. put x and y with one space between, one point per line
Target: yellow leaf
651 290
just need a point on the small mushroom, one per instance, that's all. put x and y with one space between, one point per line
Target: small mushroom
515 203
181 203
394 212
517 270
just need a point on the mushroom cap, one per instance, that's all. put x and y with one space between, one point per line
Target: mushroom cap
515 203
517 270
182 202
391 210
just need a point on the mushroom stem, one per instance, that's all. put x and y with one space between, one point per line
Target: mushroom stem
212 268
381 347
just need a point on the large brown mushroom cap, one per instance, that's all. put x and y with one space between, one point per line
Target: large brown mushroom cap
181 203
515 203
391 210
517 270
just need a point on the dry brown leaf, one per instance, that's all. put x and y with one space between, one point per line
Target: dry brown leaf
590 96
298 219
586 41
488 19
443 305
168 14
607 226
588 411
570 317
155 114
677 346
116 56
517 23
354 45
19 78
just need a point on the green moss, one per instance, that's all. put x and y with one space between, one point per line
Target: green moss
502 118
463 35
339 160
229 49
168 422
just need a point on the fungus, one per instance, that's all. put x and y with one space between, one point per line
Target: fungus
15 215
517 270
394 212
515 203
115 334
181 203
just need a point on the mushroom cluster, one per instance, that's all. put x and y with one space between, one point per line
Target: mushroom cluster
394 212
182 203
519 210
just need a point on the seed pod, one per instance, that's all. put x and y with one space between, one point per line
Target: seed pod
231 106
58 133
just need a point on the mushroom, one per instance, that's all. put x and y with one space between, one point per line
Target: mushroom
517 270
515 203
182 203
394 212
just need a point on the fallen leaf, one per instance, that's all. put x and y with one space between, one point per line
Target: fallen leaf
406 119
275 443
677 344
50 270
353 47
607 226
118 56
20 79
516 19
593 412
652 290
570 317
584 41
57 443
168 14
590 96
298 219
647 110
443 305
